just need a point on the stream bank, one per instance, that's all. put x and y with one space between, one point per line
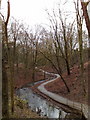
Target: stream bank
44 107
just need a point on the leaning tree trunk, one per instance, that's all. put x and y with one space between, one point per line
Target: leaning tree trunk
57 71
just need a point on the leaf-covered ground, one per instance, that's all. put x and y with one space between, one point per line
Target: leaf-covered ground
75 84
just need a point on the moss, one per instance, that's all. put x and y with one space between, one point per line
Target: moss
21 109
21 103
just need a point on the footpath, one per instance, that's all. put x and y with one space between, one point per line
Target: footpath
78 106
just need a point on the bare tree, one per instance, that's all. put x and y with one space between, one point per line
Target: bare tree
79 29
13 36
56 70
79 19
5 107
60 37
49 53
34 41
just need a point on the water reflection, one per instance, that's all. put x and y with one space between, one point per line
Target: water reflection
40 105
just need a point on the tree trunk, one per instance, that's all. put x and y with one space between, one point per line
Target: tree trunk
5 96
68 68
66 51
80 48
85 13
5 42
17 61
5 107
33 73
64 83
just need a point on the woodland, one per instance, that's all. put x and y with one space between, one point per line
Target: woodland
63 49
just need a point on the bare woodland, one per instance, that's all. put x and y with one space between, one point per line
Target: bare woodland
60 48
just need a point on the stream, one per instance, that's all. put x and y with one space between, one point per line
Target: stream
40 105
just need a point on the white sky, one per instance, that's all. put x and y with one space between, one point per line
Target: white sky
33 11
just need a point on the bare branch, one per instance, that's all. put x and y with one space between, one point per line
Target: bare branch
8 13
2 16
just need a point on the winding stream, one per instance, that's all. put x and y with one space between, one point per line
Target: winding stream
40 105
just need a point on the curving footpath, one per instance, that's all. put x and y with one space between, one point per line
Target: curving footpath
78 106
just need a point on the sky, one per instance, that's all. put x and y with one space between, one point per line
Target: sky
33 11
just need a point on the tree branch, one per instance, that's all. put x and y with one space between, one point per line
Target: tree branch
8 13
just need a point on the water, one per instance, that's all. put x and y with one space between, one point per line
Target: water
40 105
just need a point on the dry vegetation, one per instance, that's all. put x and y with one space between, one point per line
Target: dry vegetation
22 110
